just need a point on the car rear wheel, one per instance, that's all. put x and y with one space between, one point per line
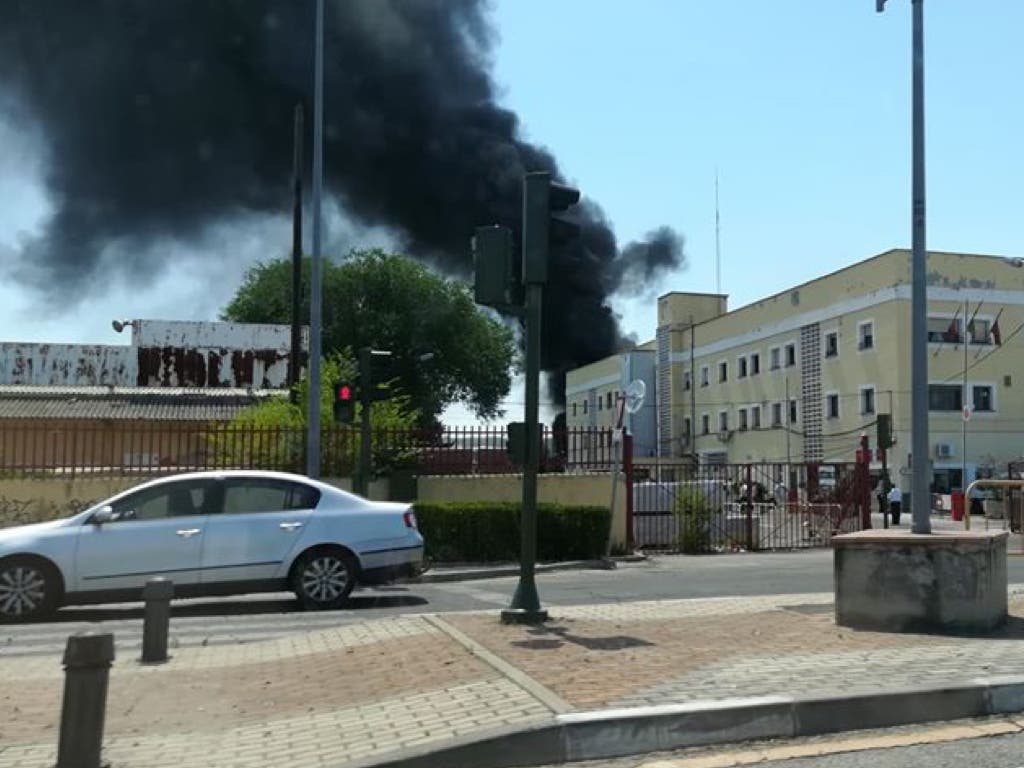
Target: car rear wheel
324 578
28 590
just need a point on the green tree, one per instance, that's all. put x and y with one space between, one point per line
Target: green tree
391 302
273 434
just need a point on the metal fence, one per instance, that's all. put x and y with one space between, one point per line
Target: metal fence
152 448
744 507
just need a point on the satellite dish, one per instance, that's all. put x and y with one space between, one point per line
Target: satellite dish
635 393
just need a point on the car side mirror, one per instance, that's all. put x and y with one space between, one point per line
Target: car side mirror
103 515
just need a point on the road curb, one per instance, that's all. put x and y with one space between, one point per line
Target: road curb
620 732
432 577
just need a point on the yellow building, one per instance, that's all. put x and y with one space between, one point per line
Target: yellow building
802 374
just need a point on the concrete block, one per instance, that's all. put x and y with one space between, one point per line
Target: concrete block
614 733
814 715
898 581
1006 695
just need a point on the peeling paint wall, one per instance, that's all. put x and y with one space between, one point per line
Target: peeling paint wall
161 354
67 364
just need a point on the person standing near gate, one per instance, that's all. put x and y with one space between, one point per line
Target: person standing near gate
895 503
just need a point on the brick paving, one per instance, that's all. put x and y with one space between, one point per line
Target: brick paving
362 691
665 652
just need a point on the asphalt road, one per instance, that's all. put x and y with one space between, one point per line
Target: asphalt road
257 617
991 752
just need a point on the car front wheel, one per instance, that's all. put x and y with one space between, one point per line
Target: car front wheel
324 579
27 590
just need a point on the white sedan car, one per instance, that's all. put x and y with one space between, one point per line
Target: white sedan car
211 533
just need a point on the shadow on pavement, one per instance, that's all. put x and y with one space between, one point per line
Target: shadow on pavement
562 636
248 607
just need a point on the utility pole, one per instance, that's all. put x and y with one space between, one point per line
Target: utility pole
296 342
920 484
693 395
965 414
315 310
786 421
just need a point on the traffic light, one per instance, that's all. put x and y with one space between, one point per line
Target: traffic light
496 273
344 403
543 199
883 426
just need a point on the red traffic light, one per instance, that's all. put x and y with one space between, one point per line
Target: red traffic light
344 393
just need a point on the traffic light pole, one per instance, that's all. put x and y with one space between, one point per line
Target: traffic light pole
366 401
540 199
526 601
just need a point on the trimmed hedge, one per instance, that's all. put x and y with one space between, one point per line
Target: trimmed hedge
482 532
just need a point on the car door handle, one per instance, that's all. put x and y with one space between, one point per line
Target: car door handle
188 533
289 526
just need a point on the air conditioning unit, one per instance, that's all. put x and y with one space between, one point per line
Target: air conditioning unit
943 450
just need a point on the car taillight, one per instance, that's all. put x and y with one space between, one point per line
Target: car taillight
410 520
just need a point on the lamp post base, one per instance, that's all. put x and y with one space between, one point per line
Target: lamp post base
523 616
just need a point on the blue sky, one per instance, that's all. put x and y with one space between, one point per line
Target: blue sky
802 106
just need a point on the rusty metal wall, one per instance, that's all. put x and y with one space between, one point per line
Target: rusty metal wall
161 354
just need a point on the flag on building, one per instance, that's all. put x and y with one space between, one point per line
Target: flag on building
952 334
972 335
997 338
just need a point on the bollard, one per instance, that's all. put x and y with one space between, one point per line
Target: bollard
87 660
156 621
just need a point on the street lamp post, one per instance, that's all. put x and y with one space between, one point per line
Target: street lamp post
920 491
315 282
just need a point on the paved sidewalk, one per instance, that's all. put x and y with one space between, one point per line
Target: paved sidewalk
365 691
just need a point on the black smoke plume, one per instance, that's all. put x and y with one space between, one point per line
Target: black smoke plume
161 118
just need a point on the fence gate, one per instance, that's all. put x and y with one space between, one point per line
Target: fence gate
746 507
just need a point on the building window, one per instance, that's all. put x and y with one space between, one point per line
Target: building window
792 411
755 364
832 406
741 366
755 417
944 329
790 355
584 406
982 398
600 402
608 403
705 424
742 413
832 344
866 335
945 397
723 371
867 401
704 376
686 427
775 358
723 421
980 331
686 381
574 409
776 414
946 480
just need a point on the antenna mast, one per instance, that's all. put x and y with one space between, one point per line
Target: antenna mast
718 241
